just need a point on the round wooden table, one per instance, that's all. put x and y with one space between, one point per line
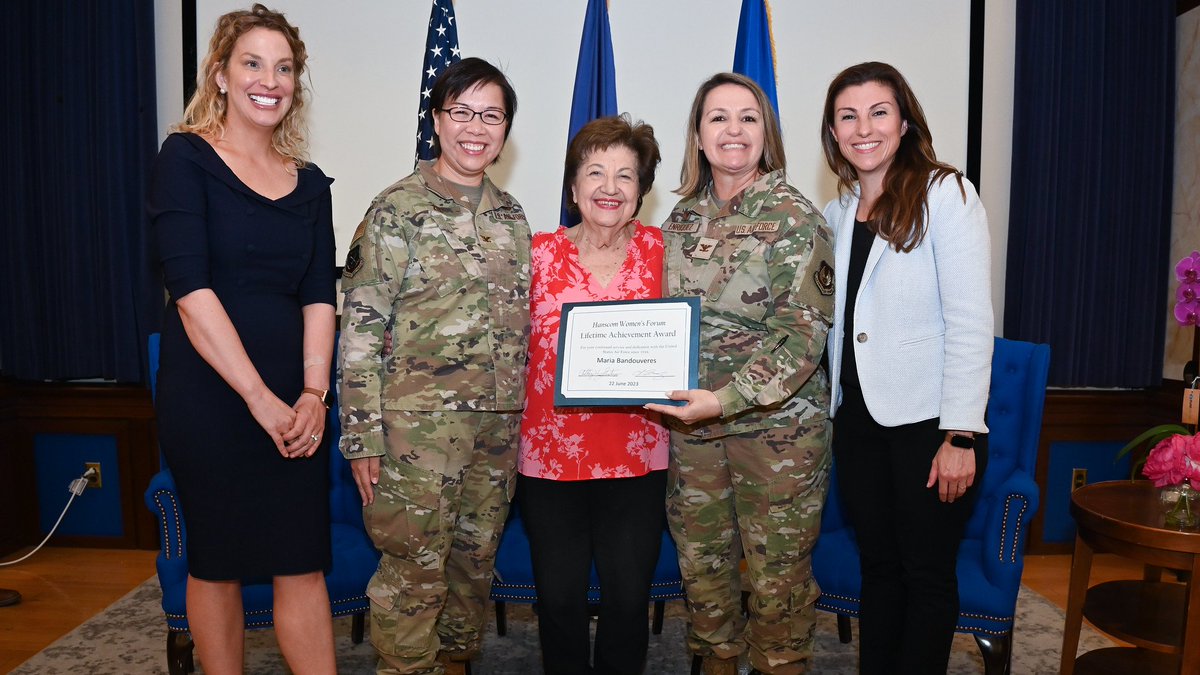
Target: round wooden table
1124 517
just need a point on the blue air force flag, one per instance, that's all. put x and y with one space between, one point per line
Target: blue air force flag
595 80
754 55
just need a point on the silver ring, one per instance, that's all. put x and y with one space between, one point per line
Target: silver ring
315 438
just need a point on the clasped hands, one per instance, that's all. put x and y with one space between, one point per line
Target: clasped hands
296 430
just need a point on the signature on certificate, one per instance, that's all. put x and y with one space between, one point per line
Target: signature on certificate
590 372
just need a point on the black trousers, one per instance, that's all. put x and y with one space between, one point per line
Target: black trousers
907 538
616 523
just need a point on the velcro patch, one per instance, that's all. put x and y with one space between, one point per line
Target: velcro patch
354 261
682 226
823 278
753 228
509 213
704 249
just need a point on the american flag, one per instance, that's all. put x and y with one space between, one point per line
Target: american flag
441 50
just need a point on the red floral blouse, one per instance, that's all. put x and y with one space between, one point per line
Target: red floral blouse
585 443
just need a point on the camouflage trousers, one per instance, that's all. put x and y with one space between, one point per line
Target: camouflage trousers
443 494
759 495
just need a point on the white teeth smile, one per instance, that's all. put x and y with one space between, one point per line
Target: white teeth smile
734 146
264 100
472 147
607 203
865 146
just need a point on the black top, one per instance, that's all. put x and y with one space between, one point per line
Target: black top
860 247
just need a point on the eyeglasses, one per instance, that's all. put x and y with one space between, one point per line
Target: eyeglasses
463 114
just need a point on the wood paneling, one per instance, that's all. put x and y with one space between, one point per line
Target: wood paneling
122 411
1084 415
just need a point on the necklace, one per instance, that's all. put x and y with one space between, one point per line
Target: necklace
623 234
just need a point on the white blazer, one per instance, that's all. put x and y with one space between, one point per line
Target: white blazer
922 319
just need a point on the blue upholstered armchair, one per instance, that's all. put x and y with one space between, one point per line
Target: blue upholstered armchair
991 557
354 557
513 577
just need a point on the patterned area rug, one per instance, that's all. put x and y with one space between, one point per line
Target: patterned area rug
130 637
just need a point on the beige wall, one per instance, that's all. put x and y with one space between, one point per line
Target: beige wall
996 150
1185 212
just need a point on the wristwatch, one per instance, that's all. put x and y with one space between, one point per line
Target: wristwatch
322 394
961 441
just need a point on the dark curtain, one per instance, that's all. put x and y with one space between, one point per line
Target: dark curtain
80 292
1090 223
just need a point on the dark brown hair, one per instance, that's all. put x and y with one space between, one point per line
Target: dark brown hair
898 215
608 132
696 173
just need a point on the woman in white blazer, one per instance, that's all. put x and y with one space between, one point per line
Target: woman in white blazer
910 362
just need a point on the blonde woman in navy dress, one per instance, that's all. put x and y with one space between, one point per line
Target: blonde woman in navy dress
245 236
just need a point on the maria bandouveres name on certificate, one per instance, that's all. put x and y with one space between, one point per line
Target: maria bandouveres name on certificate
626 352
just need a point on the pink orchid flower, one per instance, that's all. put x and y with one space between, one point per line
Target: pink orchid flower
1188 269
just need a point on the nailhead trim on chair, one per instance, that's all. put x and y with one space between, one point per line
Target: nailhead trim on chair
973 630
854 612
178 542
1012 556
986 617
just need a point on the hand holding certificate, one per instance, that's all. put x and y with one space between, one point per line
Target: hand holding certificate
627 352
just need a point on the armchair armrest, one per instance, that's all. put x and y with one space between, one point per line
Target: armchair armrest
163 502
1004 534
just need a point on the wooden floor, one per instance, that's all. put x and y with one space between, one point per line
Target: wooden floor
63 587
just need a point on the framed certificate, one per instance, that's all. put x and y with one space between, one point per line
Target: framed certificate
626 352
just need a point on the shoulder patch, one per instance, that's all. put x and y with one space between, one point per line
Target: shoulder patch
823 278
354 260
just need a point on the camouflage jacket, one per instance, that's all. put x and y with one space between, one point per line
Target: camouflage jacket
763 267
453 287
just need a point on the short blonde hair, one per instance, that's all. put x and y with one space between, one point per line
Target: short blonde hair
205 113
696 173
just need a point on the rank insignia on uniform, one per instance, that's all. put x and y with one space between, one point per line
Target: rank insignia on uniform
354 261
823 278
704 249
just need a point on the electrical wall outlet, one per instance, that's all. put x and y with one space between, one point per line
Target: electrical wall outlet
94 481
1078 479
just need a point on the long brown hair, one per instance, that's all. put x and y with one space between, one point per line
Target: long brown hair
898 215
696 173
205 113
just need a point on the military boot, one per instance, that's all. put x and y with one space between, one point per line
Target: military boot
454 664
713 665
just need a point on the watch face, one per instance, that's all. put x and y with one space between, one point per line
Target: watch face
962 441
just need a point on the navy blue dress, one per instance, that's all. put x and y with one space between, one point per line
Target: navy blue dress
250 513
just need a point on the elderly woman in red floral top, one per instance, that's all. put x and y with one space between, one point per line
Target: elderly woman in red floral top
593 481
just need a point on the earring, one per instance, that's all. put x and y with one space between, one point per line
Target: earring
222 91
